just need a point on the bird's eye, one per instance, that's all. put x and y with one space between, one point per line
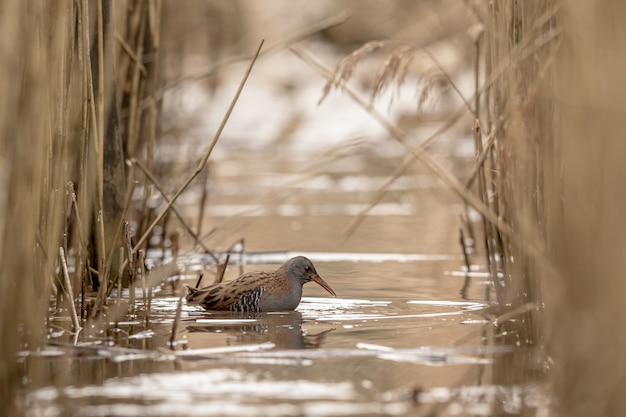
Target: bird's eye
308 268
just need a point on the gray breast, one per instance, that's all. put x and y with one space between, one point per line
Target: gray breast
282 302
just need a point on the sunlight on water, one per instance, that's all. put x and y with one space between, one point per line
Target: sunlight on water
466 304
226 392
222 391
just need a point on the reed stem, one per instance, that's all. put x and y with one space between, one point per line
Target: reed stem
68 290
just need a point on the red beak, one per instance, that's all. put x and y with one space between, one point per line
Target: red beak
318 280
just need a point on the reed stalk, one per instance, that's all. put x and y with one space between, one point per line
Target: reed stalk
67 287
155 182
57 76
179 309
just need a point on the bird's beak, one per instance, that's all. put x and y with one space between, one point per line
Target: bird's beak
318 280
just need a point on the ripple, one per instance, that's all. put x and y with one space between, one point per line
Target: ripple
222 391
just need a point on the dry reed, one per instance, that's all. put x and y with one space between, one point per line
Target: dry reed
554 76
585 205
60 109
550 196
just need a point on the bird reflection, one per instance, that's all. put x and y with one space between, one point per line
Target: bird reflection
283 329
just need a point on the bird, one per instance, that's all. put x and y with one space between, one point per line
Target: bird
259 291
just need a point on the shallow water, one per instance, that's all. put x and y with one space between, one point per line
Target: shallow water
398 339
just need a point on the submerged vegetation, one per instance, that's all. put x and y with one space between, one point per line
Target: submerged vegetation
82 87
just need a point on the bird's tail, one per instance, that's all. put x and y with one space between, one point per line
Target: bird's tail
192 294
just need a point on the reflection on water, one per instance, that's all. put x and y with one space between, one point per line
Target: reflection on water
283 330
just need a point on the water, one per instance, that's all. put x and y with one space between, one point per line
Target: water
399 339
398 334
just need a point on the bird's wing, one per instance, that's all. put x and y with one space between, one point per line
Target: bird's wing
249 300
196 295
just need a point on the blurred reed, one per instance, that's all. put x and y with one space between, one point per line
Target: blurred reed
557 88
521 43
586 202
554 91
76 97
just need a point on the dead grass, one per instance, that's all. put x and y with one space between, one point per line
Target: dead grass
548 178
62 95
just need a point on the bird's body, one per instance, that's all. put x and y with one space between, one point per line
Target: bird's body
280 290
